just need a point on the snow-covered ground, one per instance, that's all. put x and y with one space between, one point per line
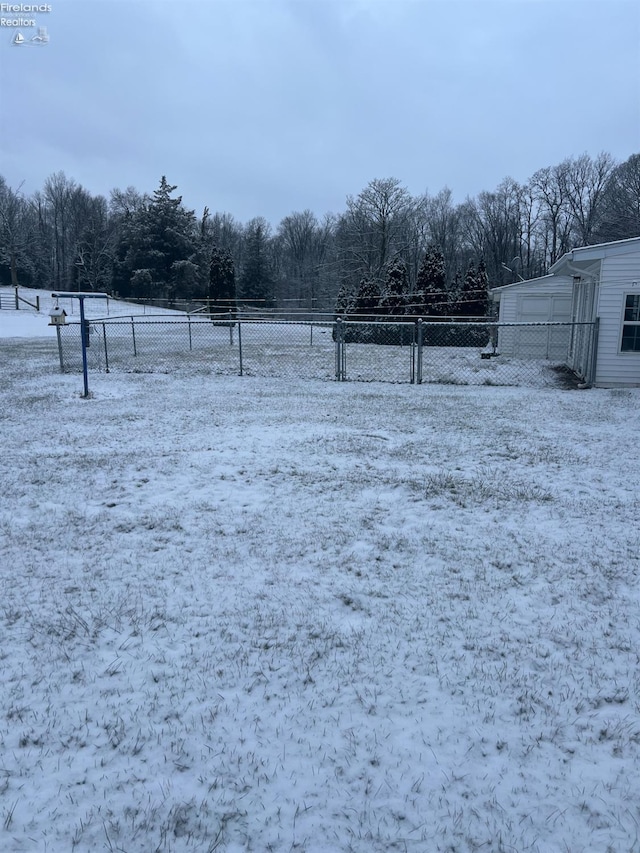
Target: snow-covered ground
256 614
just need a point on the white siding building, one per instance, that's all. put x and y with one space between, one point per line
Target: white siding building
539 300
592 283
606 287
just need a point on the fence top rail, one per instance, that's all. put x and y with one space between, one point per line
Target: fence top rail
79 294
495 324
274 321
225 319
156 318
483 324
220 319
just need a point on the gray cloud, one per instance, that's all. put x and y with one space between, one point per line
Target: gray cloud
262 107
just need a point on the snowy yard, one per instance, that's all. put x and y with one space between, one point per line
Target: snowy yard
250 614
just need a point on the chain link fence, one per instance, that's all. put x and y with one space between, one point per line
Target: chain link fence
411 351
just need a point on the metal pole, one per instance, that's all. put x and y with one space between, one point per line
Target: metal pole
240 344
230 327
84 328
419 365
338 334
594 351
83 337
60 349
106 354
413 347
133 335
190 340
343 350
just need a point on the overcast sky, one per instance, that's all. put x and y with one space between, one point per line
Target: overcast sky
264 107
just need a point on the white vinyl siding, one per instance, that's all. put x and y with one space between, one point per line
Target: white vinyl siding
543 300
620 278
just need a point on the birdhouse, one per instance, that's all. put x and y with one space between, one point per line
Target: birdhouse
57 316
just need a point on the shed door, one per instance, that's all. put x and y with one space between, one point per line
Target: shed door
550 342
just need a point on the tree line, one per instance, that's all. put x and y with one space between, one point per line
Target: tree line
388 252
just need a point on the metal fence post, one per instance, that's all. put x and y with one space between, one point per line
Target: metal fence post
339 350
230 327
419 352
493 339
84 337
190 340
60 349
133 335
240 344
412 345
106 354
593 361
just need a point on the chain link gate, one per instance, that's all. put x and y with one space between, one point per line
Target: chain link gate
367 351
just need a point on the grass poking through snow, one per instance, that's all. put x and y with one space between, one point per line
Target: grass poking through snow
249 614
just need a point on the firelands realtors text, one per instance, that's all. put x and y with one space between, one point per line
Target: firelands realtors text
13 8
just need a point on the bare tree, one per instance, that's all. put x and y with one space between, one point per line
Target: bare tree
125 203
326 266
296 234
620 209
492 227
549 189
43 243
532 261
95 246
375 225
223 231
444 231
584 181
306 257
16 228
58 192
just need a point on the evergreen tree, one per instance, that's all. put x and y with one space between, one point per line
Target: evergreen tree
185 279
344 301
464 303
256 281
367 301
483 289
431 297
396 293
141 284
222 281
160 238
474 298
